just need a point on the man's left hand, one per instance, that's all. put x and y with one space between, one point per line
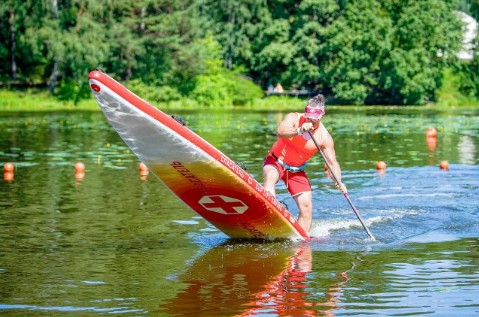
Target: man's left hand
342 188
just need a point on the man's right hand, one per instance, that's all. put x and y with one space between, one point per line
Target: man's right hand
307 126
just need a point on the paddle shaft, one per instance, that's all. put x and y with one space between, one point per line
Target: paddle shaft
356 212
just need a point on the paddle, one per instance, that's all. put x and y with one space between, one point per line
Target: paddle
345 194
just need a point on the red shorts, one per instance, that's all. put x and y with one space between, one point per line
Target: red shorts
296 183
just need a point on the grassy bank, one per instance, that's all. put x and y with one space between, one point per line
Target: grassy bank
34 100
450 96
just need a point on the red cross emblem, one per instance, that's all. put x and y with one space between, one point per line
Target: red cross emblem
223 204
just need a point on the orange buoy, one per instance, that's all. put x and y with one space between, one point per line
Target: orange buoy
79 175
444 165
380 165
79 167
431 143
431 132
8 176
8 167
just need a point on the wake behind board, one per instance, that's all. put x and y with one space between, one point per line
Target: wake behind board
199 174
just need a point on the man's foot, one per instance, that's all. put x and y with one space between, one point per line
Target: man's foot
284 204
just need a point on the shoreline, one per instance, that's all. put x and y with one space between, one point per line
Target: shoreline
15 101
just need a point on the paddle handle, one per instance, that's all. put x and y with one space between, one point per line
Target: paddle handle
356 212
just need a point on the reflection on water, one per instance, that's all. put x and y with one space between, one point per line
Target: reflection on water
251 280
299 280
112 242
467 150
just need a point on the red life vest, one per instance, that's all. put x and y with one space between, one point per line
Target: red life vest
292 150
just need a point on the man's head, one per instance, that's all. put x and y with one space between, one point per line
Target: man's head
315 108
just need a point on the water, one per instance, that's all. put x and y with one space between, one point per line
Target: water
112 243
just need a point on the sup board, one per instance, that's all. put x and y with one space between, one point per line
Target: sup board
200 175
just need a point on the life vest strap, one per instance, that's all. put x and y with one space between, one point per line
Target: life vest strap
289 168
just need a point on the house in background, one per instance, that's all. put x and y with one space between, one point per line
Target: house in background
470 32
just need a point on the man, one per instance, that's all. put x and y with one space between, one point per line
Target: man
292 150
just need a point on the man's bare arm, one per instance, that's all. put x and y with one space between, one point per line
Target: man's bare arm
288 127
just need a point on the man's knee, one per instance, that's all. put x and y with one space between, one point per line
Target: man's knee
304 201
306 208
270 174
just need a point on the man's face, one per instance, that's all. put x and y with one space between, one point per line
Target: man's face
315 121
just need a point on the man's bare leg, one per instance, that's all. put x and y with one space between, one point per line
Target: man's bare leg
305 206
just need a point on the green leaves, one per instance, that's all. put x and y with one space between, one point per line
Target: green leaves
387 51
219 87
358 51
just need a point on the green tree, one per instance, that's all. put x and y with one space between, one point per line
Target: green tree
387 51
235 24
272 49
312 19
67 42
427 36
361 51
218 86
8 32
170 31
125 37
274 54
18 64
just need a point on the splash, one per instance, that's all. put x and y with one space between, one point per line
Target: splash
324 227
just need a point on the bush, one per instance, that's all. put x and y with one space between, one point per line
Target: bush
154 93
218 87
224 90
214 91
469 84
453 89
245 91
71 90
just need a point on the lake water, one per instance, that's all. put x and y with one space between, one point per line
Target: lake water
112 243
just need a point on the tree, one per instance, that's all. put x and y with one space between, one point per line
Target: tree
126 30
18 64
68 41
312 20
361 51
234 25
353 47
387 51
172 56
218 86
427 35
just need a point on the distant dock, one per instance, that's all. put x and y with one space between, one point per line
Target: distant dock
293 93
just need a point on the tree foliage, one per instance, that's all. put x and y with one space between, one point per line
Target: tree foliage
220 53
